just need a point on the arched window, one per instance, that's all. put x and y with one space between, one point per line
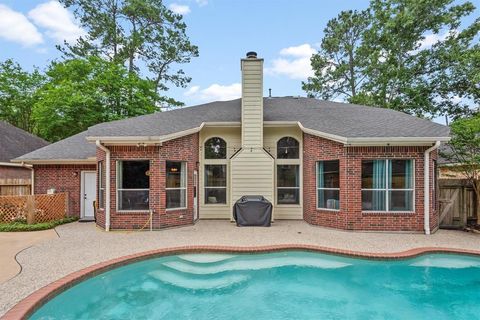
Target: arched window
287 148
215 148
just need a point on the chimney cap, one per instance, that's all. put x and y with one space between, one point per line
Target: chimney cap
251 55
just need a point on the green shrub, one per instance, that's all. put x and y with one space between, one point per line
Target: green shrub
21 225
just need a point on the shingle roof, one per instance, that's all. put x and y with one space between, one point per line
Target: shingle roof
333 118
75 147
14 142
341 119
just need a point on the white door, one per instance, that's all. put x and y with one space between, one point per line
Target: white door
88 194
195 195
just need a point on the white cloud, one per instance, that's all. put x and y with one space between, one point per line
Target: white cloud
431 39
215 92
294 63
201 3
15 27
179 8
58 21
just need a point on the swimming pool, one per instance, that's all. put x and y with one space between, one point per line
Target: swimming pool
280 285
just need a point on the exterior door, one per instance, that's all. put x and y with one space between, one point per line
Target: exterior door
88 194
195 195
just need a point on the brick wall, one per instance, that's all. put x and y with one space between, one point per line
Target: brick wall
181 149
7 172
350 215
63 178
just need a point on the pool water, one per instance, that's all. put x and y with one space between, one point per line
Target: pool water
281 285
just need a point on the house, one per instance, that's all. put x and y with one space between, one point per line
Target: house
13 143
331 164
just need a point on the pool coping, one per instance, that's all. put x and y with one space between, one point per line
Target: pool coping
27 306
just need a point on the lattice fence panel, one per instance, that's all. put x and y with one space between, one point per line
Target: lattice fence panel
13 208
49 207
46 207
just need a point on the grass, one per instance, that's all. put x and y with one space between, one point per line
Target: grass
23 226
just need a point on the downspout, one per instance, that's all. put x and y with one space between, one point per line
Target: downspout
426 187
107 183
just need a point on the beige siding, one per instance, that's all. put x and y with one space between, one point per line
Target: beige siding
233 138
270 138
252 173
252 102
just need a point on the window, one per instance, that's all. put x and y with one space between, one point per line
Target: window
287 148
288 184
215 148
133 185
101 185
215 184
176 185
328 184
387 185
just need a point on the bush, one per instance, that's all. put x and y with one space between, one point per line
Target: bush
21 225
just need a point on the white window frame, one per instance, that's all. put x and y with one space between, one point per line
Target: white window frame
101 190
215 162
205 187
121 189
184 166
299 183
295 161
387 190
318 188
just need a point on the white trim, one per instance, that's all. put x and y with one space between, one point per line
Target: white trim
387 190
117 189
22 164
107 183
185 165
222 124
82 190
56 161
317 188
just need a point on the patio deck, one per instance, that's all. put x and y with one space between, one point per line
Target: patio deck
82 244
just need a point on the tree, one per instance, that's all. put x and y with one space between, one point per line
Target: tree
83 92
139 33
398 70
339 65
17 94
381 57
465 152
455 73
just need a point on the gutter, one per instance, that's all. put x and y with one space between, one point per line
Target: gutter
107 183
426 187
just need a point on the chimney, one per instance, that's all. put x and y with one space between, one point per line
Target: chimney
252 101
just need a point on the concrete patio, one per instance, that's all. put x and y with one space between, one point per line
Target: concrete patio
82 244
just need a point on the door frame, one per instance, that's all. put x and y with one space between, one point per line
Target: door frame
82 191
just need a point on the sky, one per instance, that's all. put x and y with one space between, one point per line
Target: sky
283 32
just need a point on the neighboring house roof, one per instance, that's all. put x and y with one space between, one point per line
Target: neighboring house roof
14 142
72 149
344 120
444 150
340 121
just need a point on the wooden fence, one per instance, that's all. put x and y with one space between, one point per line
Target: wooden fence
34 208
15 187
457 205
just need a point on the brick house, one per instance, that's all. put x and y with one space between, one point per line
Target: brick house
331 164
13 143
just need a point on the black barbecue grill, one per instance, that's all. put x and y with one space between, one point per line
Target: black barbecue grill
253 211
